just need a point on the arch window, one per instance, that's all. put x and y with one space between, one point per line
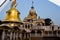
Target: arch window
38 31
33 31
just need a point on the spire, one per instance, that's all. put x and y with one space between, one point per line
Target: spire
13 3
32 13
32 8
32 4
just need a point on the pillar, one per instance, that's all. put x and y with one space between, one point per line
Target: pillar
42 34
57 33
11 36
35 32
3 35
14 36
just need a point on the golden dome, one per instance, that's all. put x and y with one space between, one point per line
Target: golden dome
12 15
32 13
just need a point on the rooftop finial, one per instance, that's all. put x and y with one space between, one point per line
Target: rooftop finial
32 4
13 3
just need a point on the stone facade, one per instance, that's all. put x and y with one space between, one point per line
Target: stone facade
31 28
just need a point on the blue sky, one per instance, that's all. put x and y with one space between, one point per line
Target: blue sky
44 9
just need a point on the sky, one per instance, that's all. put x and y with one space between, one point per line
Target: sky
44 9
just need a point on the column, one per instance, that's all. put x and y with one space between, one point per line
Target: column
35 33
24 26
20 36
57 33
30 37
42 34
11 36
52 33
48 33
14 36
7 35
3 35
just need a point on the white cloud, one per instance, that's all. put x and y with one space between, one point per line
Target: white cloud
2 7
57 2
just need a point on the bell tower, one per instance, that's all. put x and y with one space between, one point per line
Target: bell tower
12 17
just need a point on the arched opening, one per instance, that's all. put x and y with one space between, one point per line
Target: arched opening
46 32
23 34
1 34
5 27
16 28
26 26
33 31
43 24
52 27
38 24
39 32
54 32
59 32
23 31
